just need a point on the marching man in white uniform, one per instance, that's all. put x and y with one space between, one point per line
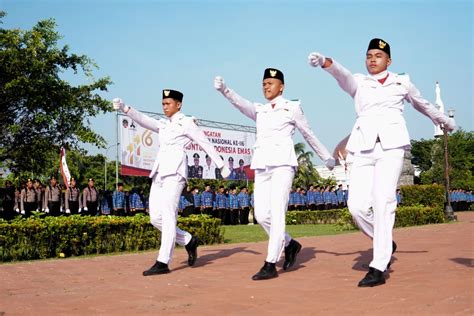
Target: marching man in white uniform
378 141
274 161
169 173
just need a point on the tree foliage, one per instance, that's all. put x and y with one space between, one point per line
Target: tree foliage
429 156
39 110
306 174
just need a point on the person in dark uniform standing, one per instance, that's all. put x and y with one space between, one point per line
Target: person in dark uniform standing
234 209
207 201
28 202
187 202
195 171
90 199
52 197
39 194
8 201
244 204
72 201
197 201
118 201
221 210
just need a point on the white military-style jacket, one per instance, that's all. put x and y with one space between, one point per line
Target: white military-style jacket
275 128
175 134
379 108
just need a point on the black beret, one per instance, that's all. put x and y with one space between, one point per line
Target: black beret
196 155
273 73
231 159
174 94
241 161
377 43
91 179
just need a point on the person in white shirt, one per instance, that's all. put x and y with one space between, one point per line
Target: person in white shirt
169 173
274 161
209 169
378 142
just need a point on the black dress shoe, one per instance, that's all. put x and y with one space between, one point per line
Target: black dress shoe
394 248
268 271
157 268
291 251
191 248
373 278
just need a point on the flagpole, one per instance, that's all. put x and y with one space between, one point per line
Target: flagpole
117 151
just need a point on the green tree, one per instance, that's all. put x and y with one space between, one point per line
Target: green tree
306 174
461 159
39 110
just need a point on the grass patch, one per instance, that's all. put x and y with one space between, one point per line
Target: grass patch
254 233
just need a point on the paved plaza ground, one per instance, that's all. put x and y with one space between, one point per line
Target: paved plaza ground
432 275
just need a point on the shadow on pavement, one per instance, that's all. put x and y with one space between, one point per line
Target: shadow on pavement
468 262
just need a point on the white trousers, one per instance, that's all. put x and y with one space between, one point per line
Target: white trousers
163 204
373 182
271 193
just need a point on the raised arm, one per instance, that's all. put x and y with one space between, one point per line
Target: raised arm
313 141
243 105
344 77
142 119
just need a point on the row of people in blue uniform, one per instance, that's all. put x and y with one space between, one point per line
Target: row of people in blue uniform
231 205
317 198
461 199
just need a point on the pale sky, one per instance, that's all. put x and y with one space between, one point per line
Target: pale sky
146 46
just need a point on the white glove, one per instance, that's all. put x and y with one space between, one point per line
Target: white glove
85 209
330 163
219 84
46 210
61 209
225 172
316 59
118 105
79 210
23 212
450 125
17 210
68 211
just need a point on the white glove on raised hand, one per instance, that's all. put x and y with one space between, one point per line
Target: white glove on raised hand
330 163
68 211
450 125
225 172
46 210
316 59
119 105
219 84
